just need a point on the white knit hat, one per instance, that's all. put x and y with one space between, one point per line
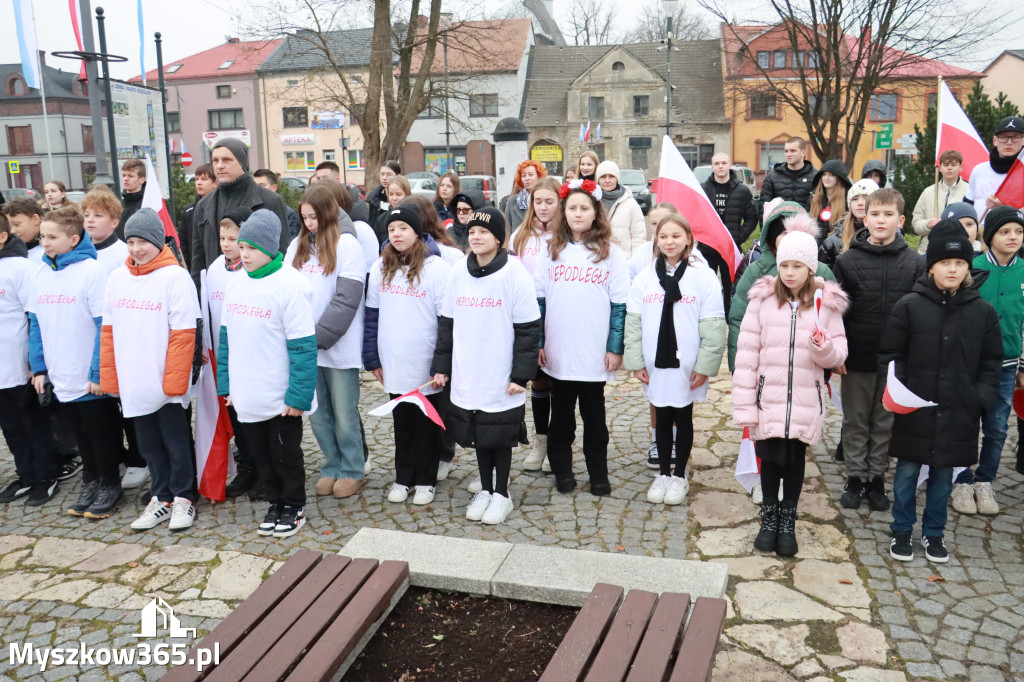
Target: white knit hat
862 187
607 168
798 246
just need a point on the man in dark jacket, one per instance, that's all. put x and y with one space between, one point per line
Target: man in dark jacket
235 189
731 198
790 180
133 180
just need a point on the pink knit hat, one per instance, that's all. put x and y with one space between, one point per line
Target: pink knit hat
798 246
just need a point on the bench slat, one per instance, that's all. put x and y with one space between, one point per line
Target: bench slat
249 613
697 654
345 634
661 638
620 644
247 654
300 637
580 644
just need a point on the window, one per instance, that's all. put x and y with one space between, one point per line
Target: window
763 105
483 105
355 159
597 108
88 145
764 59
293 82
226 65
88 172
173 67
434 109
295 117
819 105
599 150
226 119
223 91
779 59
19 140
771 154
884 106
618 66
933 100
299 161
639 158
173 122
641 105
328 155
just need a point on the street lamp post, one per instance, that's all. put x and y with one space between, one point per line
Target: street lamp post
670 9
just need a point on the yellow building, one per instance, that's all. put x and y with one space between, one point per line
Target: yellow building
1006 74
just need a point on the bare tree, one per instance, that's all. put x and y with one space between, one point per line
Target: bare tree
840 52
650 26
590 22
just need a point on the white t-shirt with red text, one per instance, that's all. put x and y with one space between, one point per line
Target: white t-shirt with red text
16 276
217 278
533 250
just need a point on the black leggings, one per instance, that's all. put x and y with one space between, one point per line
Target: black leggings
791 476
590 395
682 419
495 466
540 400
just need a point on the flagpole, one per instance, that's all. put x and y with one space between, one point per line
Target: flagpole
938 124
42 94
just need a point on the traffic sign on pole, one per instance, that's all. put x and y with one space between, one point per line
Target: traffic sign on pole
883 139
186 159
13 167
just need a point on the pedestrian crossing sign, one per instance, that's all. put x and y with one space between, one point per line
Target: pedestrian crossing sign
13 167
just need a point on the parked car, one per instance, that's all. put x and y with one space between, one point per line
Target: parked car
486 184
425 187
355 190
76 196
637 183
745 174
428 175
294 184
14 193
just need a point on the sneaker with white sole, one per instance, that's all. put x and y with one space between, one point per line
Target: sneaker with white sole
656 494
183 514
900 547
986 499
367 466
962 498
757 495
290 521
934 550
269 522
18 488
676 491
443 469
475 485
156 512
475 510
498 510
535 460
134 477
398 493
652 456
424 494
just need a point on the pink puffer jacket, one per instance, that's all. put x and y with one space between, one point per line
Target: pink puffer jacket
779 384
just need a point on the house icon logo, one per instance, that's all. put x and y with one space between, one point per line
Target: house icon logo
159 614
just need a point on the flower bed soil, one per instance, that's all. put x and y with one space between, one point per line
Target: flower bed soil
434 636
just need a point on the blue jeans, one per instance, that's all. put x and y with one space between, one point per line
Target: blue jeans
993 432
904 504
336 422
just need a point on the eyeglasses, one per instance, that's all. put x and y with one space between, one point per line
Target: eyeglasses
467 211
1010 138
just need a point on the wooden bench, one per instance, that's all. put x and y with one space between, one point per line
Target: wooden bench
308 621
641 640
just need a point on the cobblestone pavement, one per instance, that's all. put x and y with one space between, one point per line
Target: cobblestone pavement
841 610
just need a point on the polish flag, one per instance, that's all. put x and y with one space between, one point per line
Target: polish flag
413 397
677 184
817 310
583 132
586 133
213 425
833 393
748 466
153 199
1011 190
957 133
925 469
900 399
76 24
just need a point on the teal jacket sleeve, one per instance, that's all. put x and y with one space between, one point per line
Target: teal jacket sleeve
36 360
738 308
223 383
301 373
617 329
94 366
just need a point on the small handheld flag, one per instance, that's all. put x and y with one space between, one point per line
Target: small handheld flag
748 466
414 397
817 310
900 399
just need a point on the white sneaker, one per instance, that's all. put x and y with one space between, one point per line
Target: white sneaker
134 477
476 486
546 466
424 494
535 460
182 514
368 465
656 495
475 510
155 513
498 510
398 493
443 469
963 498
756 495
676 491
986 499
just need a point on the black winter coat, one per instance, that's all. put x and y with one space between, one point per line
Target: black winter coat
131 202
739 209
948 349
374 199
789 184
875 278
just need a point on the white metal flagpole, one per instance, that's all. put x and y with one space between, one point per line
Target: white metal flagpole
42 92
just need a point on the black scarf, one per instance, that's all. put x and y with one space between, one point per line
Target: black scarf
611 196
1000 164
497 263
667 355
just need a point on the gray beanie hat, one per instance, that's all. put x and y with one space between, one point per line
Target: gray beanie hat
958 210
237 149
263 231
145 224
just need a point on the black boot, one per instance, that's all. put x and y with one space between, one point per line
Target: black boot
840 457
877 498
785 544
565 482
853 493
524 438
243 482
765 540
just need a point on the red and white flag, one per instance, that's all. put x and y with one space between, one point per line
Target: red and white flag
957 133
833 393
1011 190
152 198
213 425
748 466
76 24
415 398
586 133
678 185
900 399
817 310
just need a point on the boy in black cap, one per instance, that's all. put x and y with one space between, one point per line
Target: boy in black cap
986 177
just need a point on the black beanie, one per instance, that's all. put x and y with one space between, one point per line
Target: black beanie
238 149
996 218
490 218
408 215
948 239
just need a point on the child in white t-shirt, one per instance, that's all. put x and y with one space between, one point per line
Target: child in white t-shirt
26 217
487 344
102 215
403 302
332 262
582 284
675 337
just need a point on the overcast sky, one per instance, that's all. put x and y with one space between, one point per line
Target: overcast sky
190 26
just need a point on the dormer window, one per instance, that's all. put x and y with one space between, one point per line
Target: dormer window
16 86
174 67
618 66
227 64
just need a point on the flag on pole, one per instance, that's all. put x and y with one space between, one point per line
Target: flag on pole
748 466
678 185
151 198
213 425
957 133
586 133
170 145
27 46
598 133
413 397
1011 190
900 399
833 393
583 132
183 150
76 24
817 310
142 44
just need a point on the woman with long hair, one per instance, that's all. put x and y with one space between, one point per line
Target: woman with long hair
527 173
447 188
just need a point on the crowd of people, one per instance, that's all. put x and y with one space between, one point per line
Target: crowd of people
478 308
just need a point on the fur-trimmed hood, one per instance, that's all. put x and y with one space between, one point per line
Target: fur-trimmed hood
832 295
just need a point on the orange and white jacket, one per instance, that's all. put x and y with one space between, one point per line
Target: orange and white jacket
149 334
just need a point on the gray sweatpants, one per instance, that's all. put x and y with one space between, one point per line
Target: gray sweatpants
867 426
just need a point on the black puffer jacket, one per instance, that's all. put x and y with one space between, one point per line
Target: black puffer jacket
875 278
947 349
374 199
791 185
735 204
131 202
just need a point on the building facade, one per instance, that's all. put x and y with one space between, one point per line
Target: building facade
1006 74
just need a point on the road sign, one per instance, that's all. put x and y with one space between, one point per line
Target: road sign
883 136
186 159
13 167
